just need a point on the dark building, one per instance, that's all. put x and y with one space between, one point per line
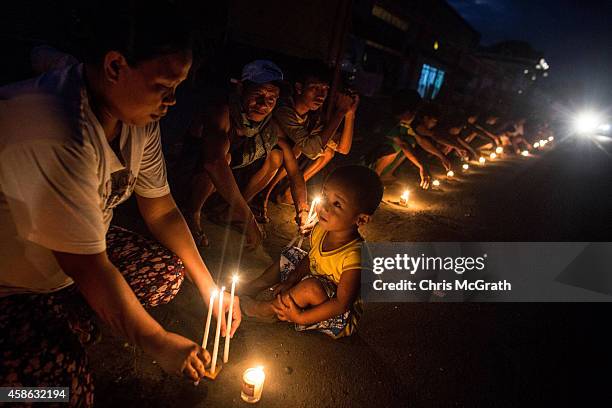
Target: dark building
420 44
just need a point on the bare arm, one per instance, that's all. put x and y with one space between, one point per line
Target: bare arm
346 140
428 146
296 178
214 159
109 295
168 226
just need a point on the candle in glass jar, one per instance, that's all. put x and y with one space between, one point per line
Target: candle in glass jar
252 384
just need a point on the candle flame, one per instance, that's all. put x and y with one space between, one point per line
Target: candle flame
405 196
450 173
482 160
525 153
499 150
493 155
536 145
466 166
234 278
436 183
551 138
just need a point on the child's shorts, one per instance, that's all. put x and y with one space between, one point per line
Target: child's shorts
336 327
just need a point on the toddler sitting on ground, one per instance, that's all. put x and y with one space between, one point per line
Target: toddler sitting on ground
319 290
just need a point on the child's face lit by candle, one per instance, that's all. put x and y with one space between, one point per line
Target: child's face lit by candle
338 209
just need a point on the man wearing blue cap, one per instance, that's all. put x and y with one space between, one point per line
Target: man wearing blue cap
242 147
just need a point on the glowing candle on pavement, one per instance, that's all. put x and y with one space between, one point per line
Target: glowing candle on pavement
536 145
525 153
493 155
436 183
450 173
499 150
466 166
312 208
213 365
551 138
252 384
405 197
229 320
482 160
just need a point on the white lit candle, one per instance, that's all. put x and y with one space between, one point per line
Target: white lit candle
405 197
499 150
229 320
436 183
213 366
482 160
211 303
252 384
312 208
466 166
551 138
536 144
450 173
525 153
493 155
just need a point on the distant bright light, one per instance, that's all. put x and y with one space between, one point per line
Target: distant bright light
526 71
525 153
482 160
586 122
436 45
536 144
493 155
499 150
551 138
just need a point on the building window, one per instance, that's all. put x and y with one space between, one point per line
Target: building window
430 82
389 18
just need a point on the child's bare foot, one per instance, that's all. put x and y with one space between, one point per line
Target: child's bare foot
261 311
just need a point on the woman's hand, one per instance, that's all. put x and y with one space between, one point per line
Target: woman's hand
236 314
178 355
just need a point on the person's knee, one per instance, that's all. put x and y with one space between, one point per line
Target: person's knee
276 159
166 285
312 291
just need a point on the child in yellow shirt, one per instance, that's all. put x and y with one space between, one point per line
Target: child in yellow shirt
321 291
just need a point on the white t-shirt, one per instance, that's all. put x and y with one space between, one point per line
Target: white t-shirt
60 179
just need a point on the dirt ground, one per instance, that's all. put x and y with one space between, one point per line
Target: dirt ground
410 354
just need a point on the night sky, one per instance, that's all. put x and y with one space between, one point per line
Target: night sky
575 36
